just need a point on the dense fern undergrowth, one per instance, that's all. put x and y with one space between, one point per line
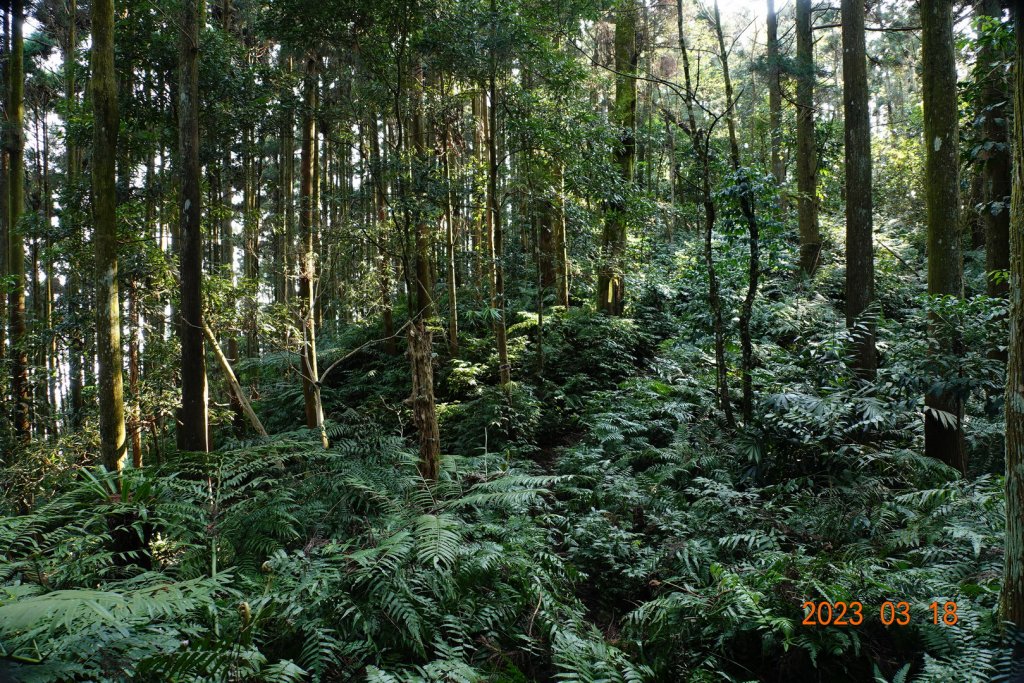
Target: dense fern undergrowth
596 522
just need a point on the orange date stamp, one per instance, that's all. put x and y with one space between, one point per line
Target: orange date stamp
841 613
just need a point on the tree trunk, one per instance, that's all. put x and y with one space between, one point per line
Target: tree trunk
806 152
611 284
307 277
21 391
380 203
775 95
420 338
494 229
1012 599
104 209
76 346
746 199
192 433
995 167
701 140
943 440
860 261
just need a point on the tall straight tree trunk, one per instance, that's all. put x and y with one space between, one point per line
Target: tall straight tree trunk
746 199
380 204
307 233
494 228
559 241
21 391
701 140
775 95
860 260
104 210
251 228
995 167
806 152
1012 598
73 287
420 337
450 245
943 422
286 170
192 433
5 214
611 284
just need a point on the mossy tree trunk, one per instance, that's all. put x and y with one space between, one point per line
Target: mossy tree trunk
611 285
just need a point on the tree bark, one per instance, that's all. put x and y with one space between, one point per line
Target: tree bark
943 441
806 152
746 199
775 95
860 261
420 337
611 284
701 140
495 229
995 167
307 277
113 445
192 433
1012 599
21 391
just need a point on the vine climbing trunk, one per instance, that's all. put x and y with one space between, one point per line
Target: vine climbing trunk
995 159
746 199
307 276
701 140
611 275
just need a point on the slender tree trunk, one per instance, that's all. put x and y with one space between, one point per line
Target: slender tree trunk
135 412
943 440
307 232
192 433
1012 599
746 199
5 214
701 140
73 288
611 276
420 337
450 246
380 201
104 208
251 226
775 95
495 230
995 166
806 152
559 241
860 261
21 391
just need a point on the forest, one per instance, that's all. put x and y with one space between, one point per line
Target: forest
521 341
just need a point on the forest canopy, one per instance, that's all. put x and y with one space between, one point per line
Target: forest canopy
511 340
